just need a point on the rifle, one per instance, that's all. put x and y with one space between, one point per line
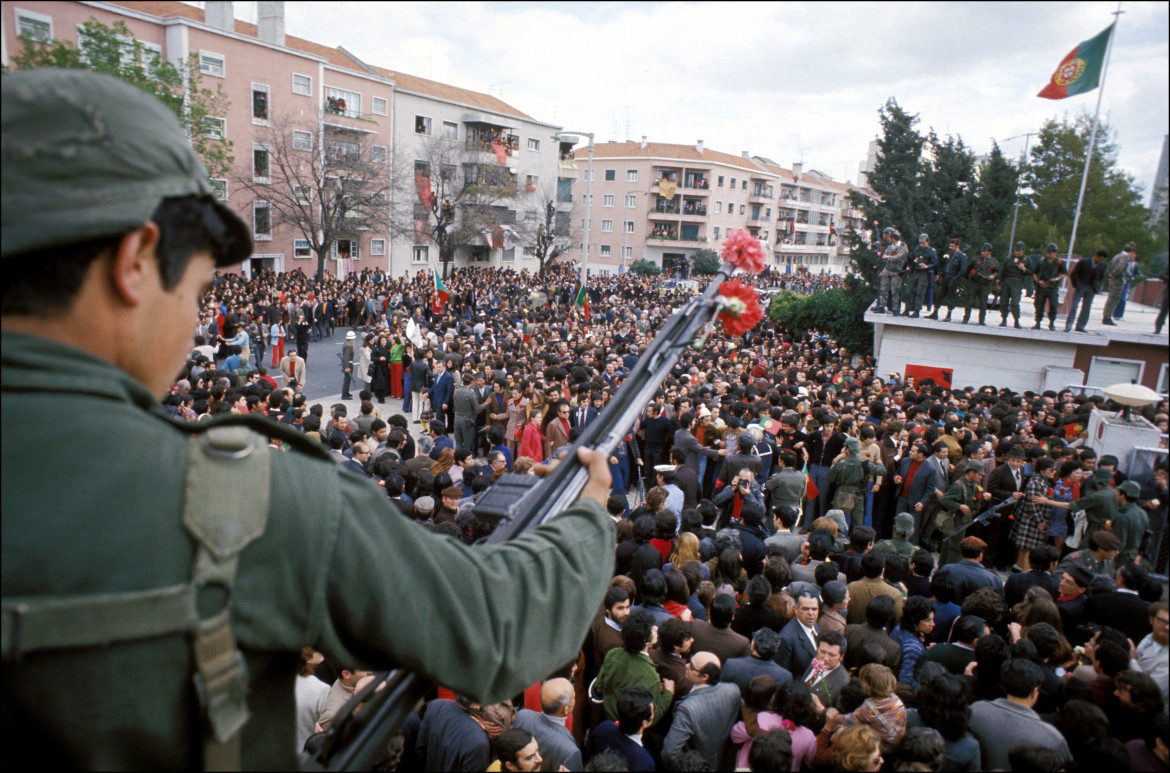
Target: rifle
983 517
519 503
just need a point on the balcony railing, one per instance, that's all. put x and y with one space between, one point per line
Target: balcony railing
695 211
698 185
666 209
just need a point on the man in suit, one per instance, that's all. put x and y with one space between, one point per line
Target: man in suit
584 412
1123 609
740 671
798 639
685 478
635 709
715 635
558 429
692 449
745 459
916 483
969 574
556 744
442 395
1071 601
1006 481
826 674
959 653
703 720
870 586
1001 724
1086 279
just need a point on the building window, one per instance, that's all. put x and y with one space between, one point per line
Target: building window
261 220
214 128
631 200
377 247
344 249
627 252
342 102
530 182
743 209
631 175
732 183
533 143
302 140
302 84
220 188
378 154
720 181
610 175
422 125
745 185
719 208
629 226
260 104
33 26
301 249
605 250
450 130
343 151
419 255
211 64
302 194
606 226
510 253
716 232
379 106
607 200
260 171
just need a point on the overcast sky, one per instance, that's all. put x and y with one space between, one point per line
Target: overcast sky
791 81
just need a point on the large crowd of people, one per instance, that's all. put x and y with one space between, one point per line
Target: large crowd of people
787 591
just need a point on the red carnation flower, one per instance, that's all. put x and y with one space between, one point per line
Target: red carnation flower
739 307
744 251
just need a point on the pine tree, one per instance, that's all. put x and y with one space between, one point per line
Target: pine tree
950 178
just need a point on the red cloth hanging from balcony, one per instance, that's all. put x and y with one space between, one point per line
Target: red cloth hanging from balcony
423 184
501 152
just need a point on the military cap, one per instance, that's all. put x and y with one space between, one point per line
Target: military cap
986 247
853 444
746 441
1130 489
923 238
973 466
904 525
86 155
1020 246
1107 540
1130 247
1051 247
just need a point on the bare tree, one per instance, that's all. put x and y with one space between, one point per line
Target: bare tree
329 185
544 231
458 202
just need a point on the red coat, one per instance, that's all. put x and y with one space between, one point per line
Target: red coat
532 442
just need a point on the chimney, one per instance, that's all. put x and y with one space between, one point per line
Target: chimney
744 153
796 168
219 15
699 147
643 146
270 22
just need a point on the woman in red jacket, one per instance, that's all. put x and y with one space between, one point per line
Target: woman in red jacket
532 439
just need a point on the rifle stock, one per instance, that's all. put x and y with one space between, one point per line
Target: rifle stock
522 502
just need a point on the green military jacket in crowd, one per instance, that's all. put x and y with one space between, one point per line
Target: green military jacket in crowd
1100 506
1129 526
961 492
982 270
1084 557
850 473
1050 273
1014 268
336 567
622 669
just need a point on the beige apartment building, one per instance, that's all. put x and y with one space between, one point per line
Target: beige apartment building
664 202
310 101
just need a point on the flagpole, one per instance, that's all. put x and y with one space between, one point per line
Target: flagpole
1093 133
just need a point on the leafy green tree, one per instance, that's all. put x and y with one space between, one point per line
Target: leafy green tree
114 51
1112 213
706 262
645 268
897 180
950 178
836 313
995 201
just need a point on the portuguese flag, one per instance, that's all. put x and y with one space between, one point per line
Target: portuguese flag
441 294
1080 71
583 302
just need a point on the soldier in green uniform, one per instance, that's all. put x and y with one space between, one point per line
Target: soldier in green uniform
1099 505
849 475
921 274
1048 274
1033 261
952 283
156 600
1011 280
959 507
981 275
1098 557
902 543
1131 523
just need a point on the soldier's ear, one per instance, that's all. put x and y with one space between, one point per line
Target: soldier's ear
133 264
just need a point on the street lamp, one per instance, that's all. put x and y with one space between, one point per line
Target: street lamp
588 197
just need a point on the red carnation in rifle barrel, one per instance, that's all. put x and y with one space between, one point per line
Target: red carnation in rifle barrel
744 251
740 309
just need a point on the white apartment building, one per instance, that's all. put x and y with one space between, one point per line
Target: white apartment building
664 202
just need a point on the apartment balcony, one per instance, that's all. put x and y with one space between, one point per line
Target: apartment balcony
664 209
693 213
697 188
801 249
